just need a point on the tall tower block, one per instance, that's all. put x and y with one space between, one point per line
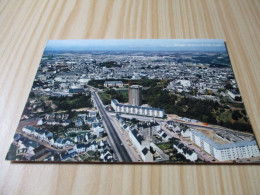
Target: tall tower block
135 95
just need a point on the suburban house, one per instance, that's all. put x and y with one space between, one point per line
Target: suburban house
185 132
163 135
186 152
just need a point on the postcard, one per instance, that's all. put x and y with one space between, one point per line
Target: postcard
135 101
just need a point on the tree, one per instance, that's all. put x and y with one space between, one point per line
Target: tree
134 120
236 115
228 86
238 98
32 95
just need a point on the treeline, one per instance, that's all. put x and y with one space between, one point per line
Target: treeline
142 82
199 109
145 82
71 102
109 94
207 111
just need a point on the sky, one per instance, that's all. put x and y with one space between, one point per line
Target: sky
137 45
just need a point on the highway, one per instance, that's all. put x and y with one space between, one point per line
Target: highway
120 149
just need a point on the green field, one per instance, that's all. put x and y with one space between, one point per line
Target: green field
108 94
165 146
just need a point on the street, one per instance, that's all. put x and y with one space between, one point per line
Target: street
117 144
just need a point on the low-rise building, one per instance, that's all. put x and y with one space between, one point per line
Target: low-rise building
142 146
233 94
113 84
163 135
186 152
137 110
185 132
225 152
146 155
92 113
80 148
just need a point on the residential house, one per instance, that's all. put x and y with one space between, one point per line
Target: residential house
80 148
185 132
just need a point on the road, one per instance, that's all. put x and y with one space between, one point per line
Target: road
28 122
124 135
118 146
210 127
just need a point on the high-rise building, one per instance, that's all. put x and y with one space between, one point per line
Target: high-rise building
135 95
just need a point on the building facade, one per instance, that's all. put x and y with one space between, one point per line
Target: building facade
113 84
233 94
137 110
142 146
135 95
225 152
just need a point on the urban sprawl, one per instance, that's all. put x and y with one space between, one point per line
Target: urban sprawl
134 107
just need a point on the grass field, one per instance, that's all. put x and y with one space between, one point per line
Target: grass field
106 96
165 146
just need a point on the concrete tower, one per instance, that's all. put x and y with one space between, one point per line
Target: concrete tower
135 95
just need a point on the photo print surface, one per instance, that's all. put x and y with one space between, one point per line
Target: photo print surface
135 101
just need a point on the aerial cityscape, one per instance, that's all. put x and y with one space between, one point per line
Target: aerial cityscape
135 101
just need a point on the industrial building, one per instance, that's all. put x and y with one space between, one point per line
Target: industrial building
137 110
135 95
225 152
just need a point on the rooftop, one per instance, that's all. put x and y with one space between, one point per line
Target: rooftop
223 146
137 136
213 136
135 86
139 107
107 82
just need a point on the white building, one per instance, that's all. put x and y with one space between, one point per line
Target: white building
80 148
92 113
84 79
225 152
142 146
97 130
163 135
136 140
233 94
137 110
187 153
40 122
185 132
113 84
28 130
146 155
184 83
